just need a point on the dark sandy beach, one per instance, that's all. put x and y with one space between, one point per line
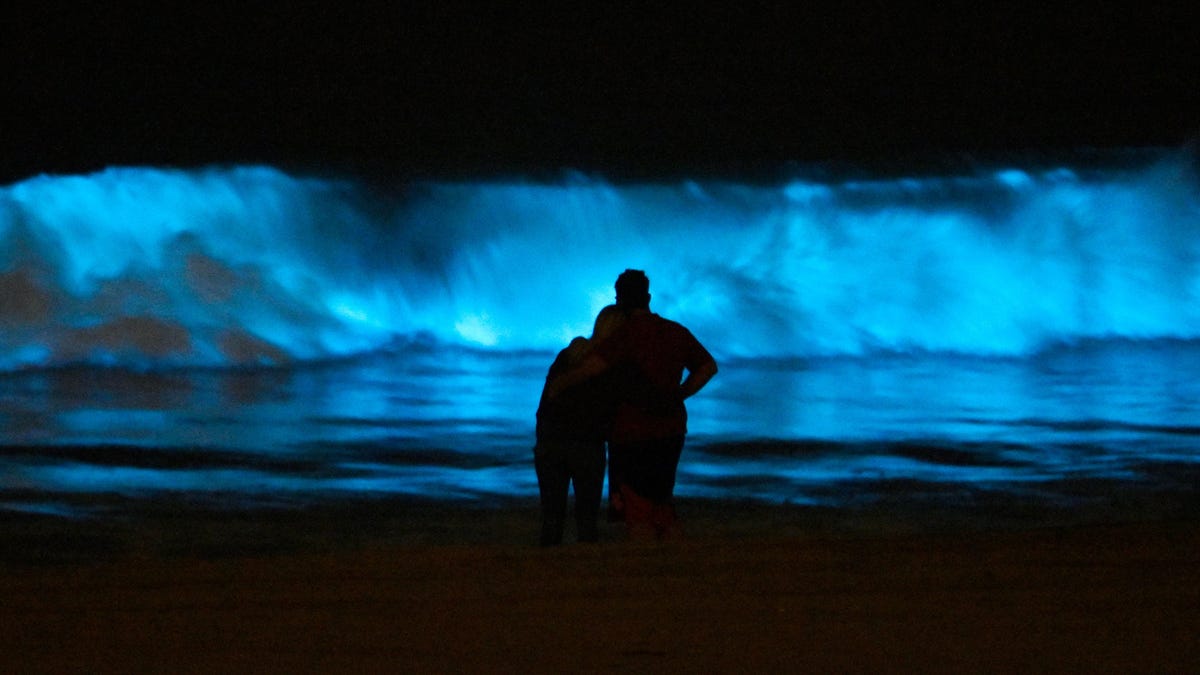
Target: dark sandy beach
439 588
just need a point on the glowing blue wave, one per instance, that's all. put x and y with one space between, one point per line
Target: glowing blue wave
154 267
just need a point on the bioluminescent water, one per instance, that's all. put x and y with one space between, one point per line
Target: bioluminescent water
247 333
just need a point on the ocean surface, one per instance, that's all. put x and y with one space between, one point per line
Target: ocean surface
243 337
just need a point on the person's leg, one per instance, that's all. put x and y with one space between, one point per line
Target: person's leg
587 470
662 463
553 481
652 470
650 467
639 514
616 509
637 509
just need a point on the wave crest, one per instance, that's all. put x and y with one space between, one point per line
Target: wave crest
150 267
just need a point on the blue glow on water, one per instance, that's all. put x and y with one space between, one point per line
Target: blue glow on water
1015 325
151 267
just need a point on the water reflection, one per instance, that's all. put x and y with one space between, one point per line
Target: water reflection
458 424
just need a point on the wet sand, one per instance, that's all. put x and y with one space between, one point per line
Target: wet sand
443 589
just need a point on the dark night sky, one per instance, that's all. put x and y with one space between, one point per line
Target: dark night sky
435 88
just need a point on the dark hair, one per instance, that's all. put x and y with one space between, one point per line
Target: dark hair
633 289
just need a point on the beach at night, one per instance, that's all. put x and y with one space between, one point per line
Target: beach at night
443 589
279 292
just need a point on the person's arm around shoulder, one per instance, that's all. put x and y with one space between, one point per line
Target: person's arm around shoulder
591 366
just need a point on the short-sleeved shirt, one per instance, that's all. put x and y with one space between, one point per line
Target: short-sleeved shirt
660 349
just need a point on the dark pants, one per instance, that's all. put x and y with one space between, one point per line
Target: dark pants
559 464
644 477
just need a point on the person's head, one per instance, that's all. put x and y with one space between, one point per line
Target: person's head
607 322
633 290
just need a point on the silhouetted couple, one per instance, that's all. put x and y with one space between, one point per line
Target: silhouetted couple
625 386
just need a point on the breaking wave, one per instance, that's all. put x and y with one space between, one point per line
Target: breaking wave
155 267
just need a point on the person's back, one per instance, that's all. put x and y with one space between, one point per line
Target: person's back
585 412
661 350
651 422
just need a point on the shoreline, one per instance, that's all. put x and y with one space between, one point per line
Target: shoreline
187 526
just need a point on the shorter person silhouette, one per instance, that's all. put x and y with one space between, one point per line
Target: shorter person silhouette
571 431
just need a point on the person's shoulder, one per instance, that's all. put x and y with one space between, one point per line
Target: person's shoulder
570 355
683 338
575 351
669 324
